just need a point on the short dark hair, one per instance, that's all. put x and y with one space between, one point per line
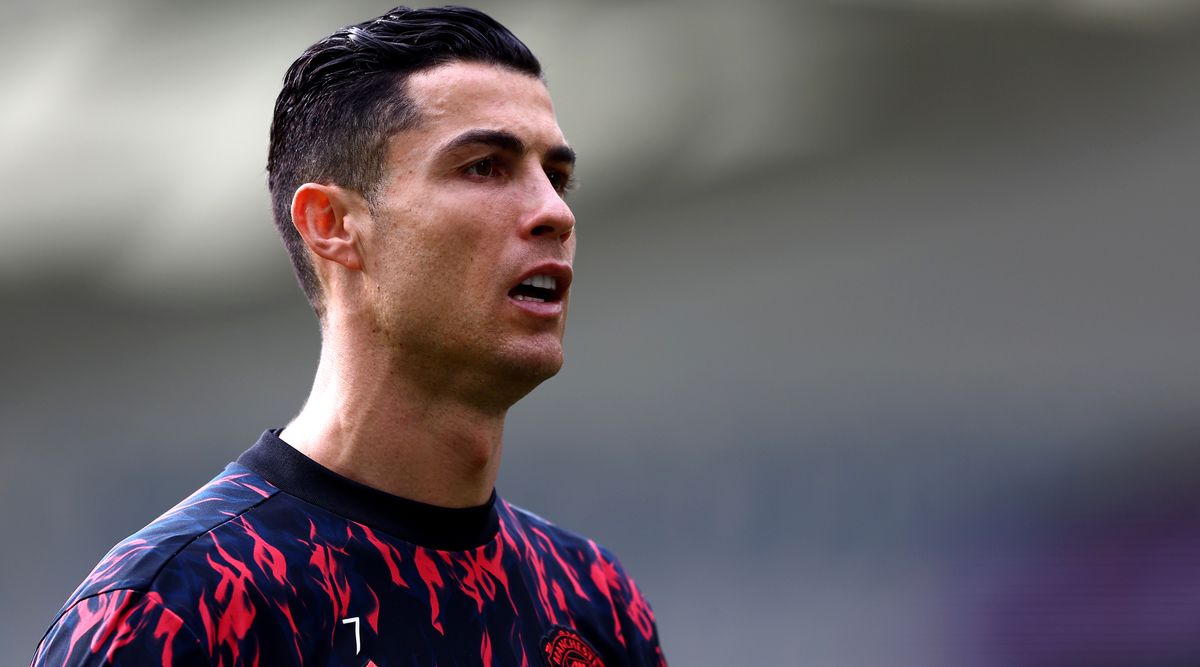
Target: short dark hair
344 97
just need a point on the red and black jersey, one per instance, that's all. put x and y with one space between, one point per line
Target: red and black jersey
280 561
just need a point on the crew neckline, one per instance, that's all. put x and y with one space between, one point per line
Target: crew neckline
431 526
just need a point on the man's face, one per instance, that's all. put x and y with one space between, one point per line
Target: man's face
472 207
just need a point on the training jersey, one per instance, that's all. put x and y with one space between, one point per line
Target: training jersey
280 561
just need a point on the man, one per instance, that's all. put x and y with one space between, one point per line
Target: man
417 174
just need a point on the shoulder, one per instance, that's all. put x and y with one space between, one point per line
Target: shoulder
120 611
541 535
577 570
564 551
542 528
137 561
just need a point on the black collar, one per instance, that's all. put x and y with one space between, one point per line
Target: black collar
441 528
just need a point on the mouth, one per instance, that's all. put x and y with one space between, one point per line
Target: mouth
547 284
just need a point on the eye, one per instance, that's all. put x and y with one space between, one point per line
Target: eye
485 168
561 181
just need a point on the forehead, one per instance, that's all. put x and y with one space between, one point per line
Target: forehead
461 96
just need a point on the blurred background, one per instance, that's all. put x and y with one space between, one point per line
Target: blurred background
883 345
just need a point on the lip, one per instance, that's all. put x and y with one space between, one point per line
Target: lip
562 275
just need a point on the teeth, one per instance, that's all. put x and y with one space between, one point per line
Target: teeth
522 297
541 280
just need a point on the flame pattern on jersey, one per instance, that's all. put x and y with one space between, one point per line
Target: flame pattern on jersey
240 573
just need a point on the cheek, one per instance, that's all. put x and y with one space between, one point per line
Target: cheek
451 252
463 267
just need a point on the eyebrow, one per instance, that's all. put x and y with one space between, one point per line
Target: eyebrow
506 141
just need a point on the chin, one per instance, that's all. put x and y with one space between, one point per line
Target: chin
539 369
533 366
511 379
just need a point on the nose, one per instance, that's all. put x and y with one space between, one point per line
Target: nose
549 215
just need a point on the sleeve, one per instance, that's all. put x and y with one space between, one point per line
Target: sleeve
636 624
119 627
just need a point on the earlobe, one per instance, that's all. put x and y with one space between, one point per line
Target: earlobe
320 214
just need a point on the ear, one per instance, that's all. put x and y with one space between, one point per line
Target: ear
322 215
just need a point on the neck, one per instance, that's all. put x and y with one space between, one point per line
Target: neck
380 420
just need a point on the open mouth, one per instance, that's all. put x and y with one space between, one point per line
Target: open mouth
539 288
